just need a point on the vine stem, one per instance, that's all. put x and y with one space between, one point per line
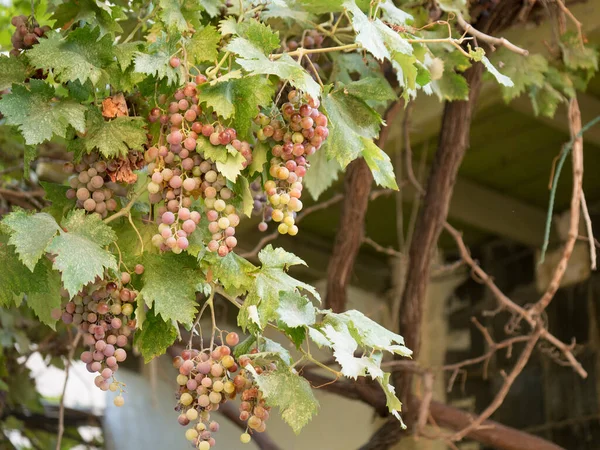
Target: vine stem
127 209
61 410
141 21
197 322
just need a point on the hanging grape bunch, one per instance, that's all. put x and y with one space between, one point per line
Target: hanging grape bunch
300 134
179 174
103 312
88 184
260 206
27 34
206 380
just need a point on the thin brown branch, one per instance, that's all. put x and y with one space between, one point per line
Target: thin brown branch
491 40
381 249
566 11
577 162
503 392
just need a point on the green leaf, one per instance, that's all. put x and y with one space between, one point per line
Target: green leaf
375 36
232 167
524 71
393 14
16 279
155 337
239 98
371 88
42 303
116 137
295 310
125 53
254 61
12 70
260 35
204 45
291 393
259 158
243 199
545 100
79 252
89 226
172 16
502 79
232 270
57 195
82 55
156 60
406 71
38 114
392 402
212 7
278 257
169 283
322 174
451 86
93 12
380 165
321 6
30 235
576 55
350 119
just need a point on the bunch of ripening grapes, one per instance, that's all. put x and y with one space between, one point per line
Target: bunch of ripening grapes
88 185
180 174
103 311
299 133
206 380
27 33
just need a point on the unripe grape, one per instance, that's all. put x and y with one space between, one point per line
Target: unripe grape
186 399
203 401
191 414
119 401
215 397
191 434
245 438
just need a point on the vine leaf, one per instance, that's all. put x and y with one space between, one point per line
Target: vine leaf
125 53
91 12
392 14
169 282
392 402
322 174
243 199
116 137
82 55
12 70
172 16
57 195
204 45
525 72
79 252
278 257
575 55
155 337
231 271
350 120
380 165
265 345
375 36
232 166
370 88
254 61
42 303
260 35
502 79
157 59
37 113
16 279
295 310
240 99
291 393
30 235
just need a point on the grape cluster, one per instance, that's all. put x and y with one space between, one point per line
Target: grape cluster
88 184
206 379
253 408
103 313
27 34
260 207
312 39
179 174
299 134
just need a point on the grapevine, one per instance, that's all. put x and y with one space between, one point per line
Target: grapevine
175 124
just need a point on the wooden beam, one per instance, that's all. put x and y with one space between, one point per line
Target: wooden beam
590 108
493 212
